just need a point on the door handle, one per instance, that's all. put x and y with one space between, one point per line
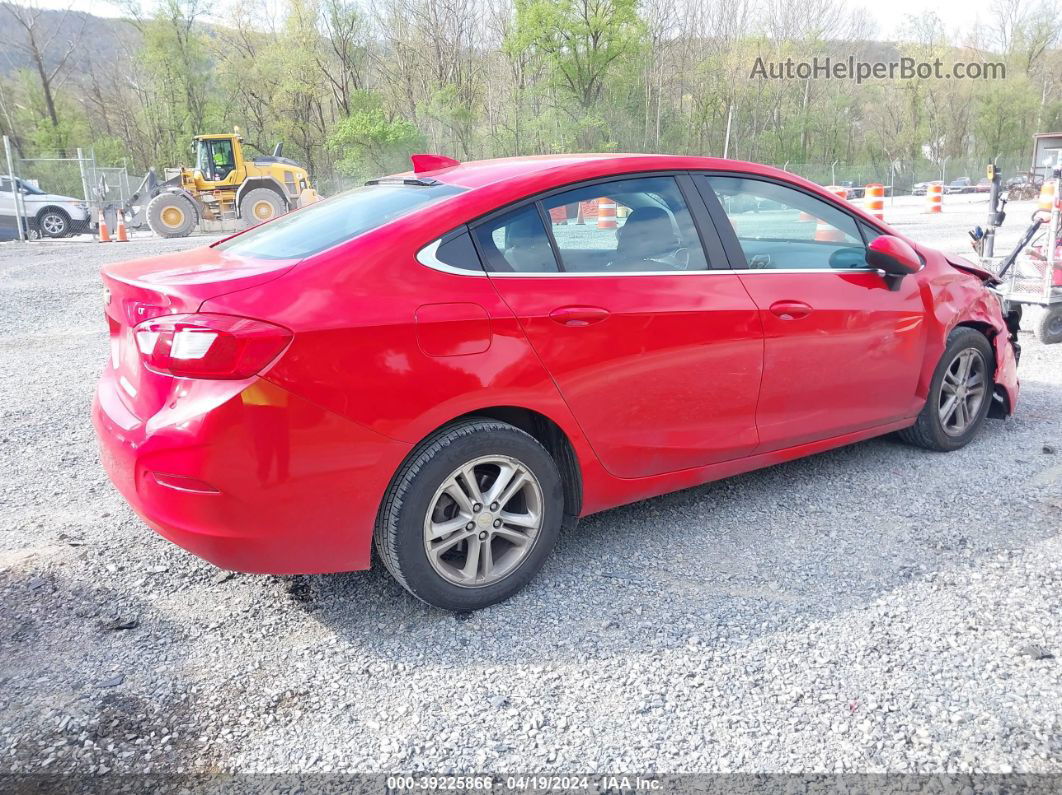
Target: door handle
578 315
791 310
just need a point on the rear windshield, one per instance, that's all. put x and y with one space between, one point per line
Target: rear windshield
334 221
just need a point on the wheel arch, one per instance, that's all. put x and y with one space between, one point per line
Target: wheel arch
1000 407
545 431
55 208
270 183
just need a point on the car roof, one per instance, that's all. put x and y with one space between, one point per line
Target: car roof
480 173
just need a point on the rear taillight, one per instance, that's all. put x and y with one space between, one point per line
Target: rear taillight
209 346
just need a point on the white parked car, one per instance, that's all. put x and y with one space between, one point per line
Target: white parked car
47 213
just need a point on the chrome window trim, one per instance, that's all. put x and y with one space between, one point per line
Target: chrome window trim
428 256
702 272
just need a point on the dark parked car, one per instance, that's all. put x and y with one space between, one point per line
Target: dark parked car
854 191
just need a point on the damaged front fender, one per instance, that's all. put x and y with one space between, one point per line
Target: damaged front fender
958 296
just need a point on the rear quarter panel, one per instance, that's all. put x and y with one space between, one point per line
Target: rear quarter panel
400 348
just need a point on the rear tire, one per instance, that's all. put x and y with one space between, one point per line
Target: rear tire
260 205
171 215
473 549
1049 326
960 394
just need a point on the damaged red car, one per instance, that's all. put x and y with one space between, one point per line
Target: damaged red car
453 362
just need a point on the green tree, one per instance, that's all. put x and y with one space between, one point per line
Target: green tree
370 143
584 44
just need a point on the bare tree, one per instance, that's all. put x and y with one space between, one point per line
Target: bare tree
48 54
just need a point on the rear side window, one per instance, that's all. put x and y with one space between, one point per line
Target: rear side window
458 252
335 220
639 224
516 242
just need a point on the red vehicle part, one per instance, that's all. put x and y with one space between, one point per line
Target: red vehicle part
280 459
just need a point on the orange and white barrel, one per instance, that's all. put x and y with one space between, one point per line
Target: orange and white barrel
606 213
828 232
935 197
1048 195
875 200
825 232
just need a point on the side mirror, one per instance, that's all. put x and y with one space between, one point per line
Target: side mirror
893 256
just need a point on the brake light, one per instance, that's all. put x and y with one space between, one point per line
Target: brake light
209 346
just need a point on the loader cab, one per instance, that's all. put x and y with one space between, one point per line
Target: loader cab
219 159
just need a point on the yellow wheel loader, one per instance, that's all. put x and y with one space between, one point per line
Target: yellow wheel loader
222 186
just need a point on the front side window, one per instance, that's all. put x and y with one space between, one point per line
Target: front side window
222 158
779 227
335 220
639 224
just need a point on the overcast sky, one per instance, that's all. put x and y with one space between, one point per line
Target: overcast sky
956 14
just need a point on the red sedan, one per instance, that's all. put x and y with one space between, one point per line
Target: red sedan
453 361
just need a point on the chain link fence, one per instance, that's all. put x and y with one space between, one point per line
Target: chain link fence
900 177
58 195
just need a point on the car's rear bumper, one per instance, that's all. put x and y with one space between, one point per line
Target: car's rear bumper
253 479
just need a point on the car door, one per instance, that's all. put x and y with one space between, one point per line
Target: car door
842 349
8 226
653 343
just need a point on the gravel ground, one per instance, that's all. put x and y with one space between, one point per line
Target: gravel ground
876 608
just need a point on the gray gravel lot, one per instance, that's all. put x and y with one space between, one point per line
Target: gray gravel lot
876 608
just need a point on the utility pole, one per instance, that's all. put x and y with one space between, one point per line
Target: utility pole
726 141
16 193
84 177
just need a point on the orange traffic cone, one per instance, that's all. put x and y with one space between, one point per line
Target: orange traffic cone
105 233
123 234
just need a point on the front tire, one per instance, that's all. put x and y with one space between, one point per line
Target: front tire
260 205
171 215
1049 326
960 394
53 223
471 516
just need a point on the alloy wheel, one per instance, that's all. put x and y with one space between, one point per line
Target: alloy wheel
962 392
53 224
483 521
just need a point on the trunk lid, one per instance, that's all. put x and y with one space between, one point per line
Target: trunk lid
179 283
